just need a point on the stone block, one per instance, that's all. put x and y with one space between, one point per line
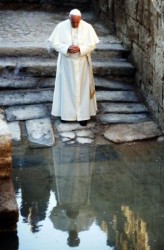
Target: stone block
40 133
8 206
121 20
133 30
5 150
5 167
131 132
131 8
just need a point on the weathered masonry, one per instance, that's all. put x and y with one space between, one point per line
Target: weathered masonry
140 25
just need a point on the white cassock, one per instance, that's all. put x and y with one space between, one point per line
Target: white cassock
74 95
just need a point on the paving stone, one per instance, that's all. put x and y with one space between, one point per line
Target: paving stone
123 118
10 98
15 131
68 135
38 25
40 133
84 140
131 132
26 112
117 96
101 82
123 108
8 206
66 127
85 133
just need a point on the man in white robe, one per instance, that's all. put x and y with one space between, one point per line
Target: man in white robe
74 95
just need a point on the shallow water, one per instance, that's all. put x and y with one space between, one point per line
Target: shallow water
90 197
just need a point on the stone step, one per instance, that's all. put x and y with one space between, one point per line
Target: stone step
117 96
10 98
125 108
104 83
25 82
26 112
46 82
47 67
123 118
38 96
35 49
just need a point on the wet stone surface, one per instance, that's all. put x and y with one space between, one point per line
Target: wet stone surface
87 196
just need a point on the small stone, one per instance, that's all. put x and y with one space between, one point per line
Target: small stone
67 127
68 135
82 140
160 139
85 133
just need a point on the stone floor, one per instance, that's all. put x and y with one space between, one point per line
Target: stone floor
27 84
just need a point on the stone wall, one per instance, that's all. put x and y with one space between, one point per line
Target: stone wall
8 204
104 9
140 25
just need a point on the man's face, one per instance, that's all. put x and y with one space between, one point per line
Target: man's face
75 20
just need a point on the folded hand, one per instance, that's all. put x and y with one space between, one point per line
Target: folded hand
73 49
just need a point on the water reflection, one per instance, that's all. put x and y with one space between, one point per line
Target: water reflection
73 175
69 194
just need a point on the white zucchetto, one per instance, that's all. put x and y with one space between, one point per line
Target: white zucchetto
75 12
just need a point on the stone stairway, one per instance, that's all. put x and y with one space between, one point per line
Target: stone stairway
27 84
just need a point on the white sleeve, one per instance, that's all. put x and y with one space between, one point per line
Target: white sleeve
55 43
84 50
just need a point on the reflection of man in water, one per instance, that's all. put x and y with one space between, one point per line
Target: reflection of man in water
73 212
73 239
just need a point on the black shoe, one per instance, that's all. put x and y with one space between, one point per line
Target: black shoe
83 123
63 121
